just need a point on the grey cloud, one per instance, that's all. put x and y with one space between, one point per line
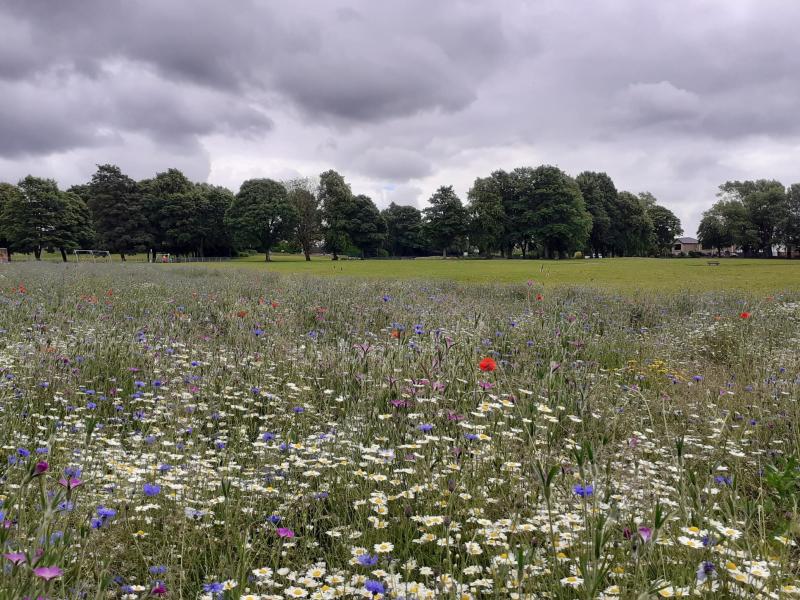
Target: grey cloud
392 164
658 103
661 95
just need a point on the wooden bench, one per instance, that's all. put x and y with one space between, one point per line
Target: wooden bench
713 263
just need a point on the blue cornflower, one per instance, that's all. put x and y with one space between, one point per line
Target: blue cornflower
268 437
24 453
157 570
213 588
106 513
584 491
151 489
375 587
419 329
367 560
425 427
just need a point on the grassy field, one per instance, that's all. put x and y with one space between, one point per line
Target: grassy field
232 433
621 273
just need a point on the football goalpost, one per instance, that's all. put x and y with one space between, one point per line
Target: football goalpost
93 255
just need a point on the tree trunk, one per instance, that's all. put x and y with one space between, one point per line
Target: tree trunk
266 256
122 256
444 253
37 253
307 253
63 254
335 256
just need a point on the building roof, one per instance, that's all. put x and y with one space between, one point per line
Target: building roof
687 240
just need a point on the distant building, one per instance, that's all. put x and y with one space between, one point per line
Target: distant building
684 245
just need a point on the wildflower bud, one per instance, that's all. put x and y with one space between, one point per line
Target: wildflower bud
40 468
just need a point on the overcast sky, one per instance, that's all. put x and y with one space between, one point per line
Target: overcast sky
403 96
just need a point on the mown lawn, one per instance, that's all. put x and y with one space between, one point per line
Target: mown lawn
620 273
623 274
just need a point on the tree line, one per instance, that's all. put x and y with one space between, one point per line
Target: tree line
533 212
754 216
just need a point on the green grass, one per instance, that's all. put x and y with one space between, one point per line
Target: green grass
620 273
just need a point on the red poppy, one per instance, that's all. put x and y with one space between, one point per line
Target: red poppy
241 314
274 304
744 315
487 364
395 334
539 297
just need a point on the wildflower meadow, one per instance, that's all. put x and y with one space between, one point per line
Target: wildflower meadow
222 433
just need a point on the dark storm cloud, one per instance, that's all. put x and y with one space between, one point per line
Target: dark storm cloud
392 164
407 91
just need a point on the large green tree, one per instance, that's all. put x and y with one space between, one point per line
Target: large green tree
32 218
446 220
336 199
790 227
727 223
600 196
551 214
75 230
170 211
403 230
764 201
119 212
714 231
487 216
666 226
261 215
633 231
8 192
303 196
365 226
211 205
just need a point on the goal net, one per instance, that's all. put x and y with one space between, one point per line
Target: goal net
92 255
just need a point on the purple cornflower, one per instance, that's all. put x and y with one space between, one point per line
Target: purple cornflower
374 587
367 560
584 491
